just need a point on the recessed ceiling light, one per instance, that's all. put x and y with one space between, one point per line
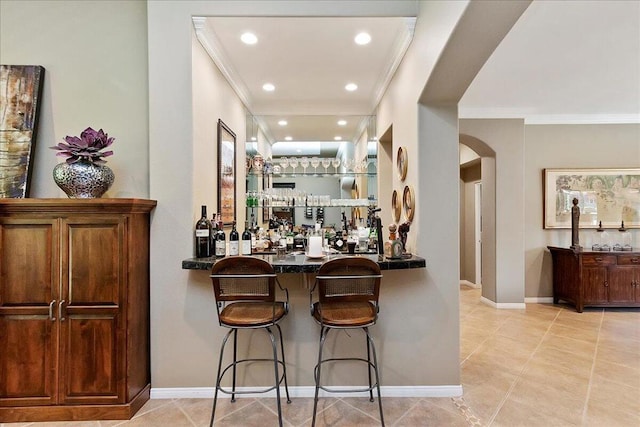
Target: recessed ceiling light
337 138
282 122
298 150
288 138
249 38
351 87
362 38
268 87
253 138
342 122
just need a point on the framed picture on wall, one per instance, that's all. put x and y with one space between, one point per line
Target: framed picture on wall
609 196
226 173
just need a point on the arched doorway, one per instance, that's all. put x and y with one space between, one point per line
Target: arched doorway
483 173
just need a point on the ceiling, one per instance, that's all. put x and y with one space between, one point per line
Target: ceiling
563 62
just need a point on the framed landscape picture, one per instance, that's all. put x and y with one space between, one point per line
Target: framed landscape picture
21 89
609 196
226 173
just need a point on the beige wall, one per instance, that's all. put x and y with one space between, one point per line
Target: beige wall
95 59
506 139
567 146
470 176
183 319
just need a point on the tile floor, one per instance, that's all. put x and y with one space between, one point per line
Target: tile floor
543 366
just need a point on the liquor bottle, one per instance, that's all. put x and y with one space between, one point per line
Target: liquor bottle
221 243
289 238
234 241
340 243
214 234
203 234
245 248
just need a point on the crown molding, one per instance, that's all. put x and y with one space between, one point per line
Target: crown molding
546 119
212 46
400 47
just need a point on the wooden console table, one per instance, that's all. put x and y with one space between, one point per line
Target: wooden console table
597 279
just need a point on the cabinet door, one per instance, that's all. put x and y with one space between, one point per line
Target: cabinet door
622 284
29 287
92 335
595 285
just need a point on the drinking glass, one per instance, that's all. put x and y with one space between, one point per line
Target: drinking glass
293 162
348 164
315 162
336 164
304 162
284 162
326 162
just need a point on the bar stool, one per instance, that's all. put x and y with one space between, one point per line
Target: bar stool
347 298
245 293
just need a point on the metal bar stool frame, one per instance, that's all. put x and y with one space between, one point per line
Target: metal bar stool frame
349 285
244 289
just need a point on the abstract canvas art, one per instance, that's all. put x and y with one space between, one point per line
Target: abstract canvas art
20 97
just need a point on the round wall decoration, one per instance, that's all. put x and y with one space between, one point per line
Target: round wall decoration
409 202
402 163
396 206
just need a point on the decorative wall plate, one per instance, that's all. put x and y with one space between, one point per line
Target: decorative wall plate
402 162
409 202
396 206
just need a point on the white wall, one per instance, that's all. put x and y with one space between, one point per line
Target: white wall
95 59
567 146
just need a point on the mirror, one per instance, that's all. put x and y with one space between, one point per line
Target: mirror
307 169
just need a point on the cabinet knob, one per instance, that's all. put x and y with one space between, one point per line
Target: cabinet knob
599 259
606 284
51 310
635 260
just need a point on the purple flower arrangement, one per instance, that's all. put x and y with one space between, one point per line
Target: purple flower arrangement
88 147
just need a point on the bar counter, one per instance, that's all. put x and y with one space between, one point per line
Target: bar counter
300 263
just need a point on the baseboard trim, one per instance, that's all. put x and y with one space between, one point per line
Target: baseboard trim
470 284
308 391
538 300
504 305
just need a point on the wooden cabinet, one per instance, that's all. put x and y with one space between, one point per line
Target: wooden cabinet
74 308
602 279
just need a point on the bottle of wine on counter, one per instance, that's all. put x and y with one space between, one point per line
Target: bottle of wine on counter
203 235
246 240
234 241
214 234
221 241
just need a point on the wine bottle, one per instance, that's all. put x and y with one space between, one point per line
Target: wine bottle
221 243
246 240
203 234
214 234
234 241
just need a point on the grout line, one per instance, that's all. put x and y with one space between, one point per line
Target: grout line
284 419
518 378
361 411
181 409
593 368
407 411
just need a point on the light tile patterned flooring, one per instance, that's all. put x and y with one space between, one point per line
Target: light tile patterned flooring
543 366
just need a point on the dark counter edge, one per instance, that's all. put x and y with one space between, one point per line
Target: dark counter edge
385 264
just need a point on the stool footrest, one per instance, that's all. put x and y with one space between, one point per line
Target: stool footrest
229 366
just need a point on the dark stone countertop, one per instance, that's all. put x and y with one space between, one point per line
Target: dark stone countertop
302 264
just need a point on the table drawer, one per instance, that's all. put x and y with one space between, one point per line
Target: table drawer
629 260
593 260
